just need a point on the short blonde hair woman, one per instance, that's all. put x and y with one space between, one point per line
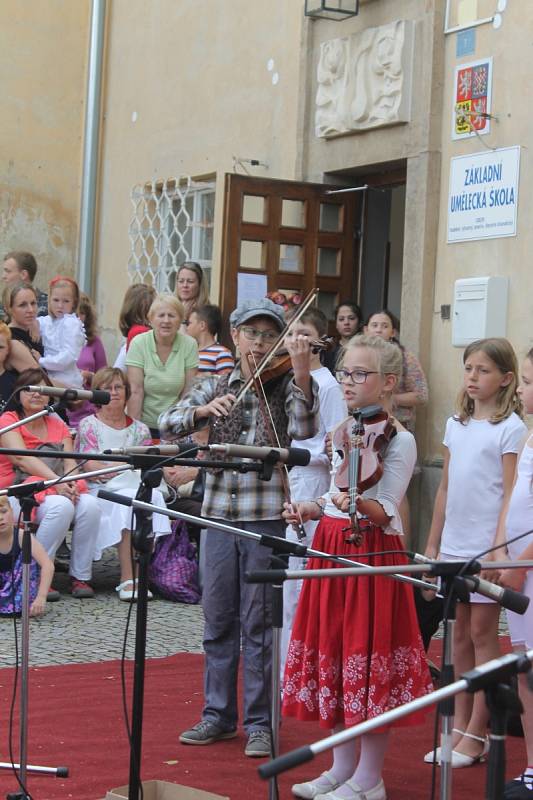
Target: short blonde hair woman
161 363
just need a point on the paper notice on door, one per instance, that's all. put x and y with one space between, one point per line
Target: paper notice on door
250 287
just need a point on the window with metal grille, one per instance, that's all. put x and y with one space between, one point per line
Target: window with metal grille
172 223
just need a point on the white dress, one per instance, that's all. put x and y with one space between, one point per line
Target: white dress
94 435
63 339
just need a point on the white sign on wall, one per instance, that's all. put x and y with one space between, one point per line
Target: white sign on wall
483 195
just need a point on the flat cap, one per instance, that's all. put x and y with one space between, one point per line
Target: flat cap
262 307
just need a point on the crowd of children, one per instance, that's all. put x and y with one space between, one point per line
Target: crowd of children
338 667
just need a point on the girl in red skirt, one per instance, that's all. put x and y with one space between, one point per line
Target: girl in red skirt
356 650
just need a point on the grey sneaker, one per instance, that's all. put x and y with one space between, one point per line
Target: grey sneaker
259 744
205 732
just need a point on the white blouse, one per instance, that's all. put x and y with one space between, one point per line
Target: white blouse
63 339
398 465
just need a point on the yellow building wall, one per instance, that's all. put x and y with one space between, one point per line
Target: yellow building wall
187 87
43 46
510 256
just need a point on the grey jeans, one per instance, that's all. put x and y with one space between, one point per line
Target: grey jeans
234 611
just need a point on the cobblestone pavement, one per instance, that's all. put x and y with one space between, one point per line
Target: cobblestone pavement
78 631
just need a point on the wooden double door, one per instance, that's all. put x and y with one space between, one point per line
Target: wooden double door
289 237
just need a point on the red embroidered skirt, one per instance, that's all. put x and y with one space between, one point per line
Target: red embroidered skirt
356 649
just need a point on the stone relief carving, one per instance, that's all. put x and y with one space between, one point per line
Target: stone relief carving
364 80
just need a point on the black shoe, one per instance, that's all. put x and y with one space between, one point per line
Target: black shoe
519 789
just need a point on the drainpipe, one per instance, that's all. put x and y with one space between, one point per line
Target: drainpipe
91 147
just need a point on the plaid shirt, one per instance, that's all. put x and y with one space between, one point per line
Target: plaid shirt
229 494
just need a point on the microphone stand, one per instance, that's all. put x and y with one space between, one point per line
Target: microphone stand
493 677
142 543
27 504
451 573
279 547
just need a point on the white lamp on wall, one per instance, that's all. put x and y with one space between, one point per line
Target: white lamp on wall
331 9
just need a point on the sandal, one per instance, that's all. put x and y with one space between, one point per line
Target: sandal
429 758
463 760
321 785
127 591
377 792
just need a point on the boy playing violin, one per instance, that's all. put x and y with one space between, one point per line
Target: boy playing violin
233 608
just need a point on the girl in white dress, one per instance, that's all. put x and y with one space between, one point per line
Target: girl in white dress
482 441
62 333
519 521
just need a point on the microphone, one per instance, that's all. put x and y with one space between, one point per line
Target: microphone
508 598
156 450
96 396
292 456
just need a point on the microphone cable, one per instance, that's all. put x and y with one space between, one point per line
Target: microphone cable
16 771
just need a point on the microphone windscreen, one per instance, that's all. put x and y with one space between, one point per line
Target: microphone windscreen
101 398
298 457
515 601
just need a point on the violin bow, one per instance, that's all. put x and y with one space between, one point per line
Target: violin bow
271 427
263 364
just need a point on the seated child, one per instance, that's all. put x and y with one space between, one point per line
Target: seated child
41 569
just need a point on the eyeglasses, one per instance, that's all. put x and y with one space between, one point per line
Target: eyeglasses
357 376
252 334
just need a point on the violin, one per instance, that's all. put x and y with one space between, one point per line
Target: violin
361 440
280 364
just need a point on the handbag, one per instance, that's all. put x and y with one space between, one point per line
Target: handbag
57 465
173 570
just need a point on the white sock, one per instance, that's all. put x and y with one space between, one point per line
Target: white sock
344 758
370 766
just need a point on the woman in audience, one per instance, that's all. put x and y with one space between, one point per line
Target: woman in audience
92 357
110 427
58 505
348 322
412 389
191 289
161 363
20 302
133 318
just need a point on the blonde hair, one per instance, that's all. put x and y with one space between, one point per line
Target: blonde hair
10 294
5 330
202 298
4 501
501 353
166 300
389 358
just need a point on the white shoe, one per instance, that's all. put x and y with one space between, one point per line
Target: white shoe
127 591
428 758
311 789
376 793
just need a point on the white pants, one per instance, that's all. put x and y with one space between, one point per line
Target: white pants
54 517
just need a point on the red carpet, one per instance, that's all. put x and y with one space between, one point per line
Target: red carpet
76 720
